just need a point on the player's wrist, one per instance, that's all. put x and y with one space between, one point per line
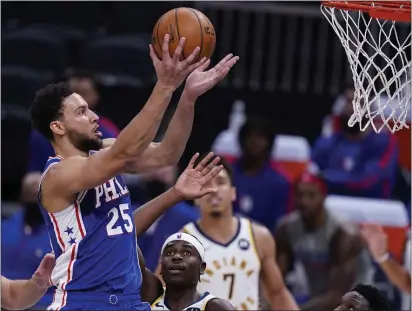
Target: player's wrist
164 87
382 258
175 195
188 98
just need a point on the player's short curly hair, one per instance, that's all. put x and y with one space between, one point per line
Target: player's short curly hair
47 106
375 298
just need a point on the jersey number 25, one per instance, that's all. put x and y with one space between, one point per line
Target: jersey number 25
119 212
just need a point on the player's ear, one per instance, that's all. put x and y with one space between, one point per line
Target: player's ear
233 194
202 268
57 127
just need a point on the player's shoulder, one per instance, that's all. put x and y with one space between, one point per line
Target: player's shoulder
288 220
217 304
260 232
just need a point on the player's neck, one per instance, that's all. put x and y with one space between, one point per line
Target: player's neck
221 229
67 150
253 165
315 222
178 298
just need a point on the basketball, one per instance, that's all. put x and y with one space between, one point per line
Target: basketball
189 23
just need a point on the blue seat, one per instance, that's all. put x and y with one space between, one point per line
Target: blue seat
37 49
19 85
120 60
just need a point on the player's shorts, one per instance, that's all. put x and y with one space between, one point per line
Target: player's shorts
93 301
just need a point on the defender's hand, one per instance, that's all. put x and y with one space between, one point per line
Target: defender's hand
170 71
43 273
194 182
200 81
376 239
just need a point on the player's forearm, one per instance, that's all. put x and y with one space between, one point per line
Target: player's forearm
139 133
283 300
178 132
397 275
20 294
147 214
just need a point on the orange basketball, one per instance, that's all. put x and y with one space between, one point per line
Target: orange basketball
188 23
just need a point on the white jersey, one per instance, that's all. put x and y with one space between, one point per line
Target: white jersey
232 270
199 305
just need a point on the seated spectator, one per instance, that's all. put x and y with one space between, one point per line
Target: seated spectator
332 255
357 163
262 191
363 298
25 239
83 83
171 221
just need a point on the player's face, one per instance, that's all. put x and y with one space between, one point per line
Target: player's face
79 123
256 144
216 203
352 301
309 199
181 264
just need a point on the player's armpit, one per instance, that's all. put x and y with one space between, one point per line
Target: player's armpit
77 173
218 304
271 278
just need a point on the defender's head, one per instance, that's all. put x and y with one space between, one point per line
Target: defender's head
182 260
64 116
215 204
256 138
310 193
363 297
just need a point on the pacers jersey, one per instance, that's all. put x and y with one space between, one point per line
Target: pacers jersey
94 242
232 269
199 305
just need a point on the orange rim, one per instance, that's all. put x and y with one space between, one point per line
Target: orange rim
390 10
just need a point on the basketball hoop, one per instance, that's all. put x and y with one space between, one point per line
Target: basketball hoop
378 46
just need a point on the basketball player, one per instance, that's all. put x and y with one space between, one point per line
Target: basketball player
83 198
240 254
182 263
363 298
23 294
332 255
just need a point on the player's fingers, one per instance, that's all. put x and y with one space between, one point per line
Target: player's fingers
179 49
189 60
197 65
193 160
204 162
213 173
207 191
165 47
223 61
204 65
152 53
210 166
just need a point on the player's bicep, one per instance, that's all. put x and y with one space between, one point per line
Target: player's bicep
218 304
76 174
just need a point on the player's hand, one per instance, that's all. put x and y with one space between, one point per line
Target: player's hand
170 71
43 273
376 239
200 81
195 181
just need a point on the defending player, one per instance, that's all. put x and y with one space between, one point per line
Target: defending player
182 264
240 254
83 198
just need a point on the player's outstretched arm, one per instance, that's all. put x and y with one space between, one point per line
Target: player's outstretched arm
218 304
76 174
191 184
278 295
23 294
170 149
377 241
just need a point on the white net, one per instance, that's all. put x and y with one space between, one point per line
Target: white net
380 59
